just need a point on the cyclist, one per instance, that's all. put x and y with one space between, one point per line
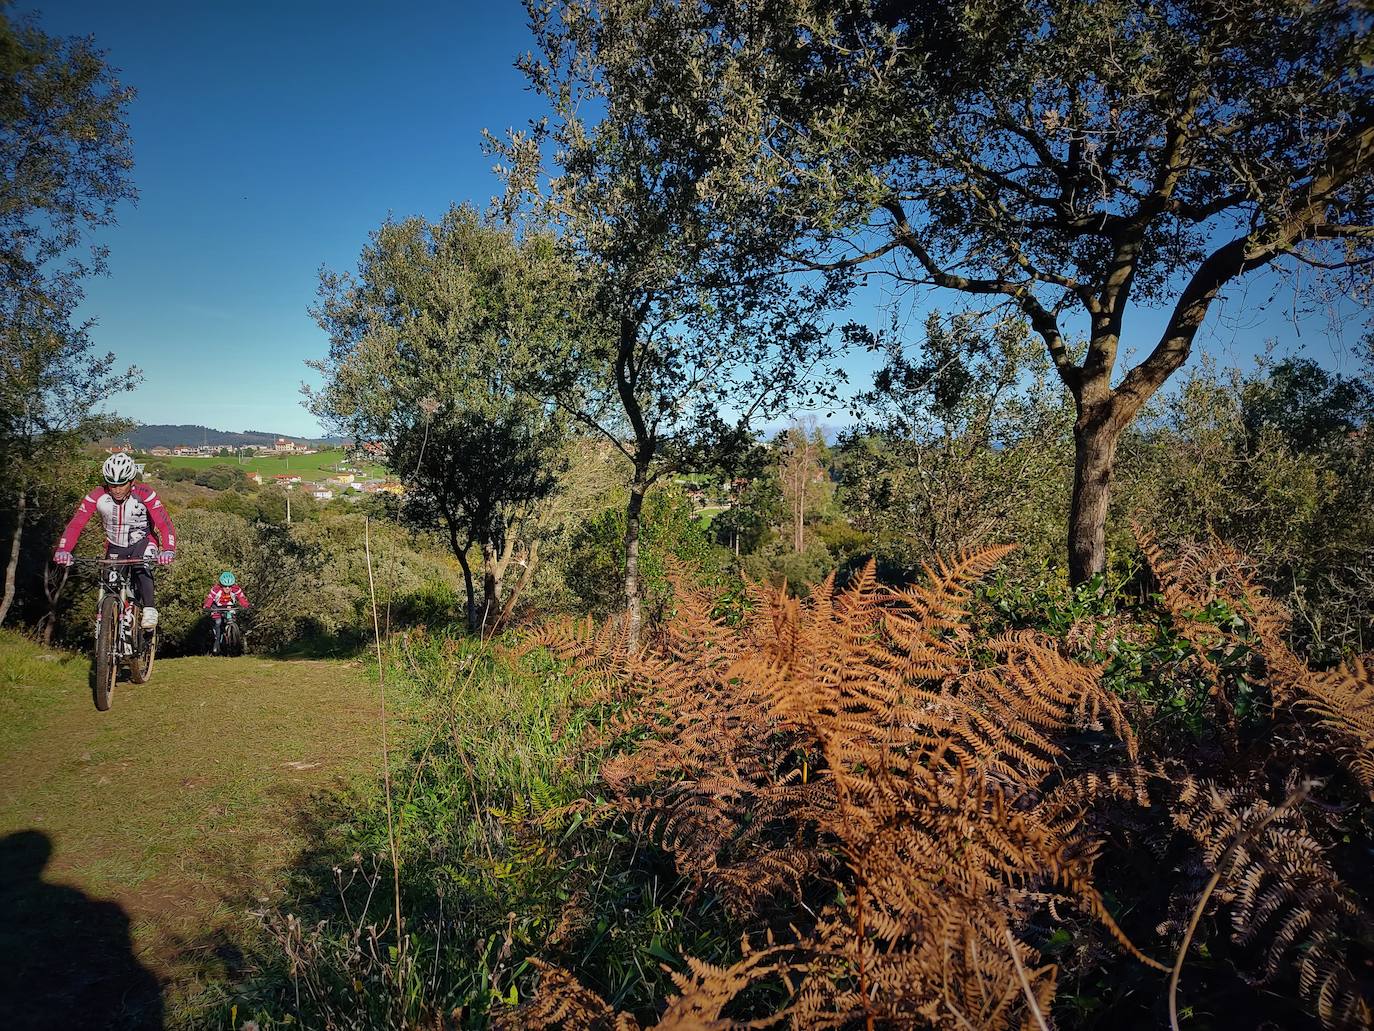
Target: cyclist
136 526
224 595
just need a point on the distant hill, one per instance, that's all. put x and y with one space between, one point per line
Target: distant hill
163 435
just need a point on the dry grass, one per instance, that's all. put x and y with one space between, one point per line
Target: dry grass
185 802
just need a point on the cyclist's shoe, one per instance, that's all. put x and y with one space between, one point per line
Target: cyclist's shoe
149 619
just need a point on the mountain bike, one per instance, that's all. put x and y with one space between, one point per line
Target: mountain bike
230 633
120 639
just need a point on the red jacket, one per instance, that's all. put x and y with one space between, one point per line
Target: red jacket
137 517
224 597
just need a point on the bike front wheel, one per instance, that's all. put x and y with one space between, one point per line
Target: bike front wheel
106 660
233 640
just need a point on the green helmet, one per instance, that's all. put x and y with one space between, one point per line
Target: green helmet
227 578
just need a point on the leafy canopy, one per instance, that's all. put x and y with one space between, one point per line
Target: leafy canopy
65 159
427 341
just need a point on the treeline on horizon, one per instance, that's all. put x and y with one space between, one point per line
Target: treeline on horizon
150 435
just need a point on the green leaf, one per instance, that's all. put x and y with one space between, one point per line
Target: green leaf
576 823
657 950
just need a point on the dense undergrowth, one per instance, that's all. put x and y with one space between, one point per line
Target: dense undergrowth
897 809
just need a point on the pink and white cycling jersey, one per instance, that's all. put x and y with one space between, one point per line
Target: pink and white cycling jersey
126 522
226 597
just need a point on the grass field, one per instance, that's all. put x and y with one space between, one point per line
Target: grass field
135 842
323 463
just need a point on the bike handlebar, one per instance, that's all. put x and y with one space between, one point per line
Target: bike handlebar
78 560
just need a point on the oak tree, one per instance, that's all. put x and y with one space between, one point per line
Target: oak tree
65 163
680 344
426 340
1080 161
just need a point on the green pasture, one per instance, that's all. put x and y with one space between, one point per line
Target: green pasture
320 464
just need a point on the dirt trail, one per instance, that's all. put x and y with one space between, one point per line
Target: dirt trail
181 806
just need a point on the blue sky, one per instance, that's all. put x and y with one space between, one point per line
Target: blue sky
269 139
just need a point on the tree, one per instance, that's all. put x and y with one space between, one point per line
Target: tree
756 506
1259 463
679 346
64 168
424 343
65 158
483 478
1308 405
672 533
799 474
959 449
1075 160
51 386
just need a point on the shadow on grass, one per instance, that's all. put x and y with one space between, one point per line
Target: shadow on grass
69 959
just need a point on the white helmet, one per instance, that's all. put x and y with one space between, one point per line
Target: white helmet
118 468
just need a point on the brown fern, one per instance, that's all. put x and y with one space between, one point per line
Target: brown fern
1284 898
862 754
562 1002
1341 700
854 739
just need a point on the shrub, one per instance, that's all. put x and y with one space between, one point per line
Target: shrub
669 528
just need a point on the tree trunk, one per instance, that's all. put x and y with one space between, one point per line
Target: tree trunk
467 584
1095 435
526 575
633 601
460 552
12 567
491 586
52 590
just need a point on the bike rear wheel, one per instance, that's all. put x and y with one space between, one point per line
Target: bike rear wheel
106 662
141 668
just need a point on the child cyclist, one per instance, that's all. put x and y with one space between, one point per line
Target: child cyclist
224 595
136 526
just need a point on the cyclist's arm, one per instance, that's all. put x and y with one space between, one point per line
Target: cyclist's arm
240 597
80 518
157 512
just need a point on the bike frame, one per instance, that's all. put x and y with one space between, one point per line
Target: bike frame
221 625
115 579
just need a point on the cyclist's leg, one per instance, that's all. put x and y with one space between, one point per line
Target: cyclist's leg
127 553
217 623
143 575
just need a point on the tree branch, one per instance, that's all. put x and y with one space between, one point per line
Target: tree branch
1307 220
1042 320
